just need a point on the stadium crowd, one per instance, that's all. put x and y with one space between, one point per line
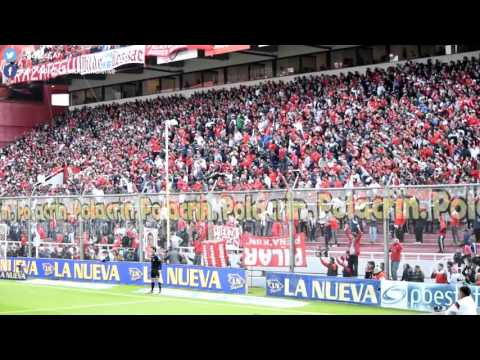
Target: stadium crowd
417 121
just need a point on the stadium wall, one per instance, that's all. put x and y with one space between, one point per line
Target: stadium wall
18 117
359 69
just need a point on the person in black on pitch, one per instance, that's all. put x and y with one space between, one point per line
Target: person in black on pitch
156 263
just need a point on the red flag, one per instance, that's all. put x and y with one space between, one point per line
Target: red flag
215 253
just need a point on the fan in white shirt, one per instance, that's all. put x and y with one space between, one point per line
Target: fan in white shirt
465 304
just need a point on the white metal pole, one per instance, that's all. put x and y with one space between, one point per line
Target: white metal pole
167 200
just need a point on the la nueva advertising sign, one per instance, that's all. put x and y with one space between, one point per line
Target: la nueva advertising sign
326 288
225 280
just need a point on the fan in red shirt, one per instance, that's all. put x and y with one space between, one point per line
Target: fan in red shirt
455 224
440 275
395 256
441 235
197 248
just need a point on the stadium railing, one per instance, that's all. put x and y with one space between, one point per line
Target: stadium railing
261 213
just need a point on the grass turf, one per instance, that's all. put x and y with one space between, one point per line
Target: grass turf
18 298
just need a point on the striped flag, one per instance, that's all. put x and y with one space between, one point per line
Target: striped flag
215 253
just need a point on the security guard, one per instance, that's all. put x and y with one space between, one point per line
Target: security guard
155 270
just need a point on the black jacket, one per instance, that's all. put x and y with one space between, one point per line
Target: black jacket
156 263
417 277
407 275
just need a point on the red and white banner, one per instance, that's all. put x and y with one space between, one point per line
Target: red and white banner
166 51
272 251
101 62
222 49
229 234
109 60
45 71
177 56
215 253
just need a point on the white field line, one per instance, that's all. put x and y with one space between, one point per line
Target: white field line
57 309
232 298
176 299
72 284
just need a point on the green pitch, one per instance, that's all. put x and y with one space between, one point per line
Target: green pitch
23 298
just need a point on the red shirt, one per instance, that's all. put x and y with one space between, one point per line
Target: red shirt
334 223
197 246
277 229
441 278
455 221
396 250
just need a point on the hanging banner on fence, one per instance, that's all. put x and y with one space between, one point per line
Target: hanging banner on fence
272 251
229 234
150 240
225 280
45 71
325 288
108 60
421 296
215 253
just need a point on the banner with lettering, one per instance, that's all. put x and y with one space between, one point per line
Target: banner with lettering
100 62
215 253
225 280
108 60
422 296
272 251
324 288
45 71
229 234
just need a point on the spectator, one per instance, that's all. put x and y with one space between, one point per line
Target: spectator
334 227
378 273
372 223
419 228
173 256
477 277
468 271
441 235
440 275
332 268
344 262
455 224
458 256
476 228
369 270
465 305
407 274
311 229
467 236
395 257
454 276
354 239
417 275
197 247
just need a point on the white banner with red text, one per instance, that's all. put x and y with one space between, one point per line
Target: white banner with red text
272 251
229 234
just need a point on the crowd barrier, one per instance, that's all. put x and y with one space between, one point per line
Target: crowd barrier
385 293
225 280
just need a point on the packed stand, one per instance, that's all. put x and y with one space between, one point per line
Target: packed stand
419 122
